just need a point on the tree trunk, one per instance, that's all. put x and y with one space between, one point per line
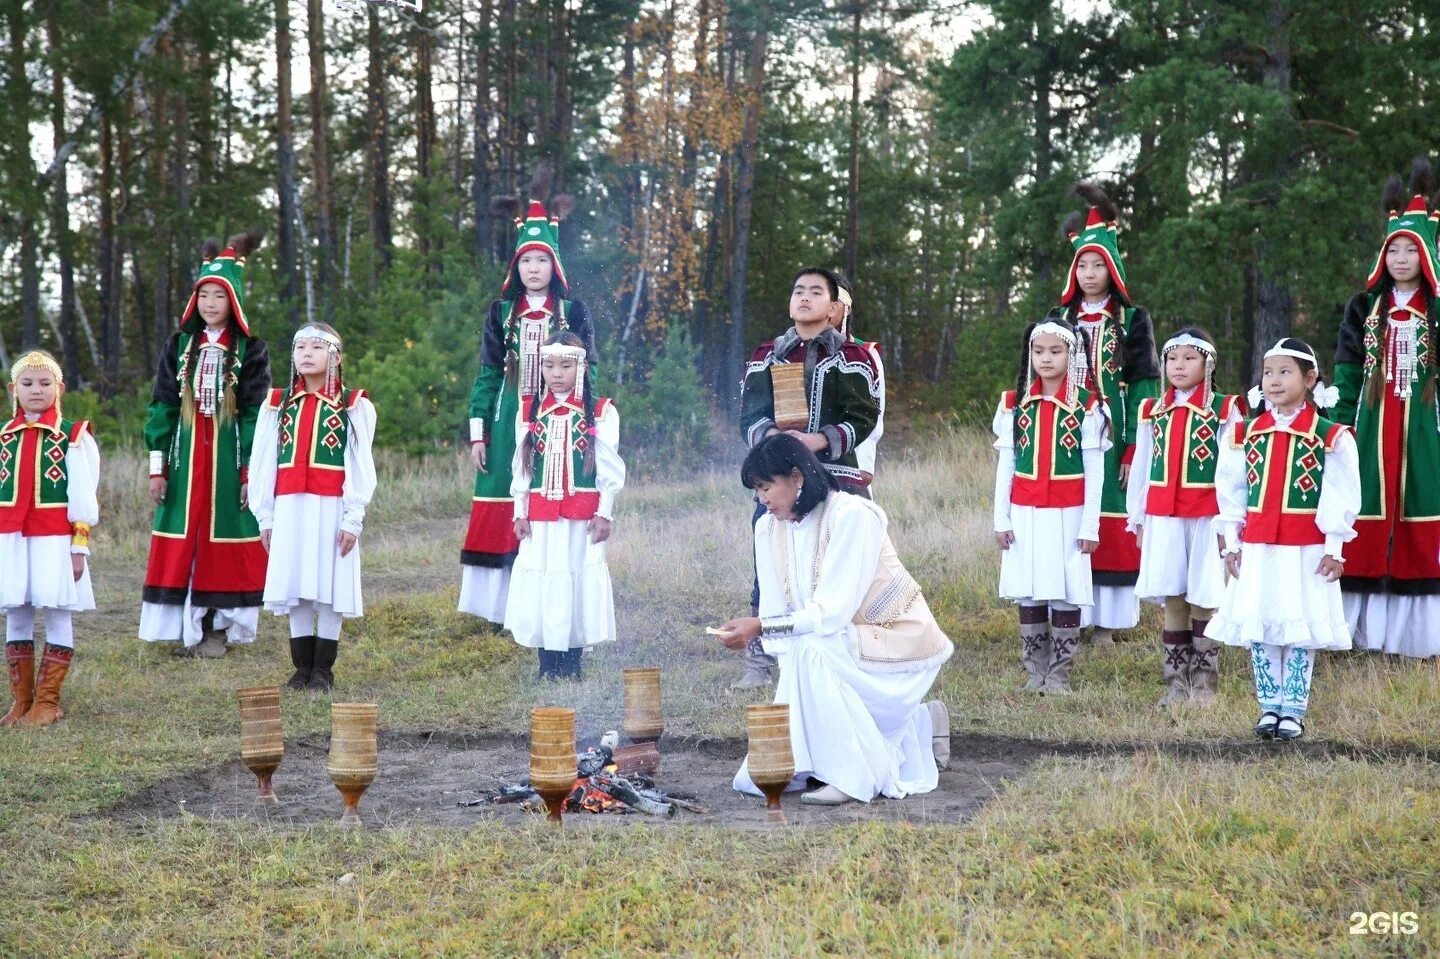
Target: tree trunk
60 225
852 192
1274 304
285 167
563 117
744 195
320 156
378 123
480 133
22 179
1041 267
424 136
109 292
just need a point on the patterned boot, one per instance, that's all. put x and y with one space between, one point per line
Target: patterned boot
20 657
1175 669
1035 645
53 667
1064 637
1204 666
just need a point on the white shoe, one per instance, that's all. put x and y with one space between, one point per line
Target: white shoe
940 730
826 796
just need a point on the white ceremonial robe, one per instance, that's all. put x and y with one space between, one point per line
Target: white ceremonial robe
1045 564
36 570
1278 599
560 594
866 733
305 562
1178 554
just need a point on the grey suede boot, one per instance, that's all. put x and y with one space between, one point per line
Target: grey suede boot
1064 637
1204 665
1035 645
1175 668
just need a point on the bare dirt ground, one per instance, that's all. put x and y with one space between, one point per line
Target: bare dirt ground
424 779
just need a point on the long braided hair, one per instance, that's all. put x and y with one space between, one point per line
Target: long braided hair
565 338
1023 373
243 244
1074 225
1392 201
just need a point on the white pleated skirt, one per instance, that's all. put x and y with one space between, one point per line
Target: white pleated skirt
1179 556
1045 564
36 571
560 593
1401 625
1280 600
483 590
305 561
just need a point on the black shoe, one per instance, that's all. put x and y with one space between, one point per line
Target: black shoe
570 667
1265 728
552 664
302 657
322 679
1289 728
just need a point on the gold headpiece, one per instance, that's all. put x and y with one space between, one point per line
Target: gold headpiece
36 360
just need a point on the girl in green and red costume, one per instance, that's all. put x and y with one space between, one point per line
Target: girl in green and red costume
1385 366
49 474
1123 370
206 575
534 305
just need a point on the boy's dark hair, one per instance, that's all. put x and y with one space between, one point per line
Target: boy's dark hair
831 280
780 455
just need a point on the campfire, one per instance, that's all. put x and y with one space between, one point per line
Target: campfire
609 778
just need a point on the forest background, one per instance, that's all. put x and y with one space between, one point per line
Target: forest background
925 147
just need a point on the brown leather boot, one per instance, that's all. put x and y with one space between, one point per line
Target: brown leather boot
1175 668
20 657
53 667
1204 665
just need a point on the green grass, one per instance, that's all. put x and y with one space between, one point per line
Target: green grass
1140 852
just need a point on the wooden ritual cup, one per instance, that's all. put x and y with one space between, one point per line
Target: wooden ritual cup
644 721
552 756
354 753
262 741
770 762
787 386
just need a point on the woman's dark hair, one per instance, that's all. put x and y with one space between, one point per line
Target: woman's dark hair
780 455
1200 333
566 338
831 280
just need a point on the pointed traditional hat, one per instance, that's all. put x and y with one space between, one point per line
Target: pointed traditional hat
226 268
1097 236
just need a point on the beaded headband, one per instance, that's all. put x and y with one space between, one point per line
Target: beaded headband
1190 340
576 353
1279 349
1054 329
315 333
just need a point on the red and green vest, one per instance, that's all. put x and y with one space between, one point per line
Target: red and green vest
581 498
1185 447
34 486
1285 468
1049 467
314 431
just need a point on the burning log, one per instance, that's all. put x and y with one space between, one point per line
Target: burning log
639 758
630 796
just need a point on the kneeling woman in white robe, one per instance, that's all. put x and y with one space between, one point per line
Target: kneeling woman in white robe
858 648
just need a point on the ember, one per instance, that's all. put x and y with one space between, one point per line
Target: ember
608 778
